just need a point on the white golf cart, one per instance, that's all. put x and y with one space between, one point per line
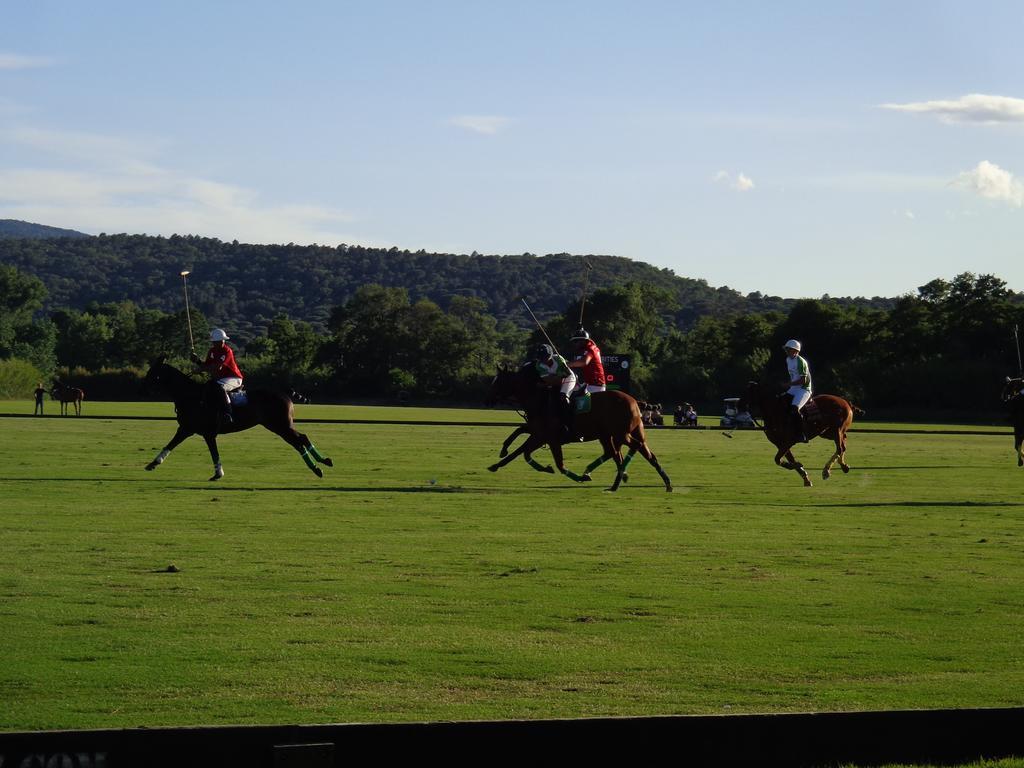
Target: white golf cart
734 417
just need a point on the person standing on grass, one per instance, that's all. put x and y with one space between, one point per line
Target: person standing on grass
40 393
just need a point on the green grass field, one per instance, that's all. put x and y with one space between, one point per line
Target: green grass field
412 584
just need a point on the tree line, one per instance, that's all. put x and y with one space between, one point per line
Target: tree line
247 286
946 347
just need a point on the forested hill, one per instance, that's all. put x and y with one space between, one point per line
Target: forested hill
15 228
245 286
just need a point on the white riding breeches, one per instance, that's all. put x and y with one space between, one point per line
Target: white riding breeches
596 387
230 383
568 385
800 396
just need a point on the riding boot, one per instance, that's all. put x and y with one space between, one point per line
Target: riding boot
798 425
225 414
566 417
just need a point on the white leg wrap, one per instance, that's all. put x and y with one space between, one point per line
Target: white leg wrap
161 456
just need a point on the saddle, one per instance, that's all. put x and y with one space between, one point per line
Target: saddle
579 402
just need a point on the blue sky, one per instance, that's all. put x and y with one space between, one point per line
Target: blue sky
796 148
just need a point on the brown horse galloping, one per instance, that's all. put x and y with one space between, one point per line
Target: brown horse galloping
271 409
1013 396
824 416
613 419
65 394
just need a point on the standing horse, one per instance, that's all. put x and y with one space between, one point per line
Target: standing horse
824 416
1013 396
613 419
66 394
270 409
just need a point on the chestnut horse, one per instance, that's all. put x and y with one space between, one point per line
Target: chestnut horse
66 394
270 409
824 416
1013 396
613 419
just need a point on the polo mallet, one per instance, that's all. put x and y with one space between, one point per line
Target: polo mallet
188 315
553 347
586 281
1020 368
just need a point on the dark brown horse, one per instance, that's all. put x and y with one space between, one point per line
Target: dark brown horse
824 416
196 416
613 419
1013 396
65 394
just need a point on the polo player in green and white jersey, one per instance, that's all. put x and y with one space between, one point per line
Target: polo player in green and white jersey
799 383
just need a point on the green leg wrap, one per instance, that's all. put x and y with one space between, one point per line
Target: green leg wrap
534 463
595 464
629 458
308 459
316 454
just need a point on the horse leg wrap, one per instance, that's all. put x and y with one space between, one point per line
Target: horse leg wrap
535 464
629 458
595 464
316 454
161 456
308 459
572 475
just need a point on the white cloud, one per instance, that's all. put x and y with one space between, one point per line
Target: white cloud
17 61
742 182
111 184
973 108
485 124
992 182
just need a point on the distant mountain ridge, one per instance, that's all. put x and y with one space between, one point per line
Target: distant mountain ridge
11 228
246 286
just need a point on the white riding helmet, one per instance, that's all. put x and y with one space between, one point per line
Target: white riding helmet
580 335
217 334
792 344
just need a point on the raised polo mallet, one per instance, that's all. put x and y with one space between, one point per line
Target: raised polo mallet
586 281
1016 338
553 347
188 315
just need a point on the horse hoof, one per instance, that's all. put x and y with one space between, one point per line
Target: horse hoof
503 454
808 483
216 477
845 468
328 463
586 478
625 477
1020 462
318 472
668 489
825 475
151 466
549 469
492 468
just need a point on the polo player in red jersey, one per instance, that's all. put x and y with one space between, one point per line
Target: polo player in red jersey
587 358
224 372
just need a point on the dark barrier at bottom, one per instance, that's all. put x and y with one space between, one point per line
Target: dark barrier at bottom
860 738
